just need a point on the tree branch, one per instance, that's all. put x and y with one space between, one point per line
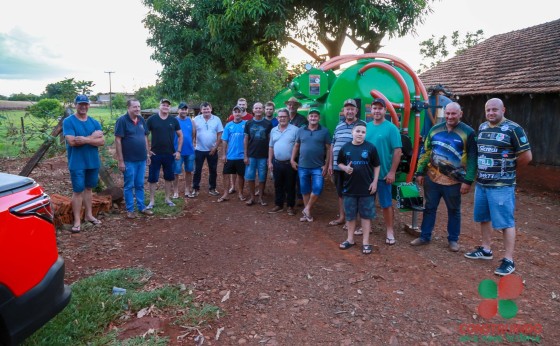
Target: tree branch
305 49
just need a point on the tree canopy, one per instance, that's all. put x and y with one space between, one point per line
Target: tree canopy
435 50
67 89
191 38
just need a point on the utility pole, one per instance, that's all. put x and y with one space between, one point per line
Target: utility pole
110 92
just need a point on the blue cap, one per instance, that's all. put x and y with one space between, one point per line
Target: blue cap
81 99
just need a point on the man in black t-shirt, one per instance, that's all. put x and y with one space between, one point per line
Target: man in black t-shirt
162 152
257 136
360 162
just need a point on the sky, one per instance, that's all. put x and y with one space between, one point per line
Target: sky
61 39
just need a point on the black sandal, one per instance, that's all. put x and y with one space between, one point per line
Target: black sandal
345 245
366 249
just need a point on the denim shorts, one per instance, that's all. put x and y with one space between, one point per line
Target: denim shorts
384 194
84 178
365 205
260 165
157 161
187 161
311 180
496 204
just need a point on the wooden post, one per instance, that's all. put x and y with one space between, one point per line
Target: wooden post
34 160
24 145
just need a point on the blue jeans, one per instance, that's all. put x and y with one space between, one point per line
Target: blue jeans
256 166
133 175
199 157
452 196
311 180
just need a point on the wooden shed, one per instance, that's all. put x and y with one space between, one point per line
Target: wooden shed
523 69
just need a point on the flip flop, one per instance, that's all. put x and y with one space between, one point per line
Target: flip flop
222 199
175 196
366 249
390 241
169 203
249 202
231 190
241 198
345 245
94 222
150 206
358 231
263 203
335 223
75 229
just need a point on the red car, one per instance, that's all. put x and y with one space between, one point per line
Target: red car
32 289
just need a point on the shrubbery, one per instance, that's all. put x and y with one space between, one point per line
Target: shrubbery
46 108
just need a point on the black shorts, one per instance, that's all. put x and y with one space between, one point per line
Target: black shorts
338 182
234 167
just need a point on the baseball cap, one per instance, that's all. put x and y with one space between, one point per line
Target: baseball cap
81 99
182 105
165 100
380 101
350 102
239 108
314 110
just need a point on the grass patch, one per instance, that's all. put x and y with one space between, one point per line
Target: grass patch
93 308
162 209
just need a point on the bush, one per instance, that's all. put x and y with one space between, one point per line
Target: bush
119 101
46 108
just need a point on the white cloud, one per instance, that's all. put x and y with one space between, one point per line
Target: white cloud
26 57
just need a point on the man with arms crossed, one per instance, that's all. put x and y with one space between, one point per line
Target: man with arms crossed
83 137
502 148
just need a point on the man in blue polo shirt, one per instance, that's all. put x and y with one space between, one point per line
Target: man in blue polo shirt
313 146
131 143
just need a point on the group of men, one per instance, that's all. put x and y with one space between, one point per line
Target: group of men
362 158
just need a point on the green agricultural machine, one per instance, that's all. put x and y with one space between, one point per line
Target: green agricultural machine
363 78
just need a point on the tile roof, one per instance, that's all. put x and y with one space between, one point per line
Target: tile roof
522 61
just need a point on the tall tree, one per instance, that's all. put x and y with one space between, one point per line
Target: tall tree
67 89
193 37
435 50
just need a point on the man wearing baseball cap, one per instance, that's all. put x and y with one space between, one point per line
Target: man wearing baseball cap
187 150
386 138
311 157
342 135
83 137
163 129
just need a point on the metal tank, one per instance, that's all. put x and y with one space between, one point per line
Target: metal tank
363 78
